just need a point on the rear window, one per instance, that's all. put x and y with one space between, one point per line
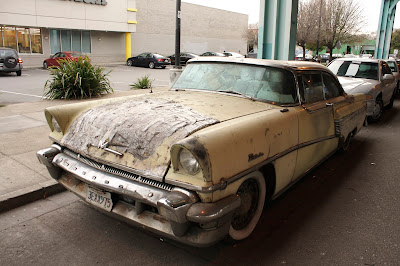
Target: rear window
8 52
355 69
158 56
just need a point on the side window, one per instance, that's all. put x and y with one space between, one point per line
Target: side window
385 69
331 89
310 86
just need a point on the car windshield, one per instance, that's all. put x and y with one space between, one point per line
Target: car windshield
7 52
355 69
257 82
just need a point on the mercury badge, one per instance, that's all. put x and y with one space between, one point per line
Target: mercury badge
104 146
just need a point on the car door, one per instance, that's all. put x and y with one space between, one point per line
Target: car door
387 82
140 59
316 123
52 60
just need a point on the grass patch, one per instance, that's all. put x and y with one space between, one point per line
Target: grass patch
143 83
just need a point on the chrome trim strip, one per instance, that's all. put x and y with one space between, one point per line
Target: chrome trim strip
240 175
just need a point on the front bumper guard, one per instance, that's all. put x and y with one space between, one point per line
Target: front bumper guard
181 216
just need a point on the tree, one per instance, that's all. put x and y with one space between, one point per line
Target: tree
307 23
395 42
252 37
340 21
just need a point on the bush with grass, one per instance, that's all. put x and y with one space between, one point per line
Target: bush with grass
143 83
77 80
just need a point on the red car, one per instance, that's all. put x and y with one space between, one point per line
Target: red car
54 60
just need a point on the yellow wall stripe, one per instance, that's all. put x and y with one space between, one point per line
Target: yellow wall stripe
131 22
132 9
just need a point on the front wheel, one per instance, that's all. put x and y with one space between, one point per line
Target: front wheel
129 62
378 109
163 67
252 197
45 65
151 65
390 105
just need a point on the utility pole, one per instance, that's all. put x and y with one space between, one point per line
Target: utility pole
176 71
319 27
178 36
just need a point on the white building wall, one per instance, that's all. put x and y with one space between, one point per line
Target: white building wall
202 28
68 14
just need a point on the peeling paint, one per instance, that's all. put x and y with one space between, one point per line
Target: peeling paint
143 128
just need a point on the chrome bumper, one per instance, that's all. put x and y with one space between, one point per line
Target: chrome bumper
180 215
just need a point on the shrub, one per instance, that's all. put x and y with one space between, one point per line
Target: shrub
77 80
143 83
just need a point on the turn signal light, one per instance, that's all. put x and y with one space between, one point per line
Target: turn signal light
20 60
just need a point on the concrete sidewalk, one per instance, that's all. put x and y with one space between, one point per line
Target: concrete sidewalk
24 131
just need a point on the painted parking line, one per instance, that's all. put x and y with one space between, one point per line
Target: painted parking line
23 94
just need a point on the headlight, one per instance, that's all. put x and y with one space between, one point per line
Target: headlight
56 126
188 162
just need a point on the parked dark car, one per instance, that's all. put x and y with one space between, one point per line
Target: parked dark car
149 60
184 58
54 60
212 54
10 61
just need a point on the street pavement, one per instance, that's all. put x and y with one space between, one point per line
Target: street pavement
24 131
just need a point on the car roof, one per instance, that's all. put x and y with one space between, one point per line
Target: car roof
7 48
292 64
362 59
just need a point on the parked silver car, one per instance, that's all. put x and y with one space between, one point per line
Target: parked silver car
10 61
372 77
395 67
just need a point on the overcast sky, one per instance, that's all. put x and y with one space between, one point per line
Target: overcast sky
371 10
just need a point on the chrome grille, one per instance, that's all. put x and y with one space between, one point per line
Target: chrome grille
118 172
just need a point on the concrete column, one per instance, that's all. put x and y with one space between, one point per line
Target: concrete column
385 28
277 29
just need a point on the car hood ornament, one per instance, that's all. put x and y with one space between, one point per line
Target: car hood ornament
104 145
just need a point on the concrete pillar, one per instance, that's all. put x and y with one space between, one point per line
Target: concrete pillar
385 28
277 29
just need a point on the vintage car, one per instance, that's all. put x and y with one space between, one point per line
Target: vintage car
372 77
198 163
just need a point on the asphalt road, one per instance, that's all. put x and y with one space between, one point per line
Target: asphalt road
346 212
29 87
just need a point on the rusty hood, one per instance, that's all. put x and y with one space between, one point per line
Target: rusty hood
137 133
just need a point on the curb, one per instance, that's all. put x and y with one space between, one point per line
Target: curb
27 195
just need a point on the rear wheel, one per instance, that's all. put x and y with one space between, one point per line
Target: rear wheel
346 143
163 67
252 197
151 65
19 73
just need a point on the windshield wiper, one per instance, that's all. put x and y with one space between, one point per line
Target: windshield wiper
237 93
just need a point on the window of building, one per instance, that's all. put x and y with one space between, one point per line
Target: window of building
70 40
24 40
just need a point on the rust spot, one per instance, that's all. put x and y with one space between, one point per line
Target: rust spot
81 186
160 219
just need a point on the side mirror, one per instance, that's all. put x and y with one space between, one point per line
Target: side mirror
387 77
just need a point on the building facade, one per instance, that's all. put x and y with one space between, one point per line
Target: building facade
109 31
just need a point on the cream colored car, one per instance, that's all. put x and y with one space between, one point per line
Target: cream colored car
199 162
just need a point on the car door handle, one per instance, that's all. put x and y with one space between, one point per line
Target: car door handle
329 104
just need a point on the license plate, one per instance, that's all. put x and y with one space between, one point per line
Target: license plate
99 198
